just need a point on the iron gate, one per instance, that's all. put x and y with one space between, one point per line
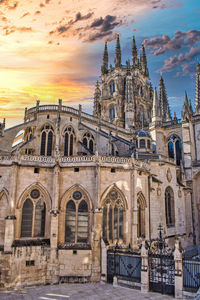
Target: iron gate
161 273
161 266
124 264
191 274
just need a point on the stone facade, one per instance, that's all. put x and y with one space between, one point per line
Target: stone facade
71 182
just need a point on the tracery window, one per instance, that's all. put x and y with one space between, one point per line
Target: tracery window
169 207
29 134
141 204
69 137
33 215
88 141
77 219
113 217
174 149
46 140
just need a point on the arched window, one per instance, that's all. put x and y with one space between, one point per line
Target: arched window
141 204
113 217
3 215
46 140
142 143
77 219
88 142
69 141
112 113
112 88
169 207
174 149
33 215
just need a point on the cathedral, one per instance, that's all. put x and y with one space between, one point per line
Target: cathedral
73 185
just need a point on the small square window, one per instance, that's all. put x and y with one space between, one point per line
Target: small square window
76 169
36 170
47 116
112 170
74 251
70 119
30 263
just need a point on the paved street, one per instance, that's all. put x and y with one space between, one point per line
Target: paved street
79 292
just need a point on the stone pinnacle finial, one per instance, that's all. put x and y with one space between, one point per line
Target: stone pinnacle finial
134 53
118 54
104 68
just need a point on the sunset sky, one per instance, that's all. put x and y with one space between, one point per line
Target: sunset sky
53 49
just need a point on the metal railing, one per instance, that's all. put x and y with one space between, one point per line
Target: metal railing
191 274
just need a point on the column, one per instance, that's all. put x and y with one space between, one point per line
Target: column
96 246
178 258
144 269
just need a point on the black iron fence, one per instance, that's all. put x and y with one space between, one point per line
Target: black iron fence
191 274
124 264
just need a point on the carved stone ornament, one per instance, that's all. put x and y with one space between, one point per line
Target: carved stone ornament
169 175
179 193
158 191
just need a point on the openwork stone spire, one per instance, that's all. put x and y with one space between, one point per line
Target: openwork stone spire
118 54
104 68
143 61
134 53
165 110
197 98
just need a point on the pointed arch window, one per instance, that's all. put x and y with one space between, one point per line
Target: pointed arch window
169 207
33 216
88 142
3 213
112 88
69 137
47 134
141 204
112 112
77 219
174 149
113 217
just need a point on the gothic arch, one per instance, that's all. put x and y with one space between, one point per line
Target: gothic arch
141 200
42 190
46 122
108 190
75 205
67 126
4 209
66 194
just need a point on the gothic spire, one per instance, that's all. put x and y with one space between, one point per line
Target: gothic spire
185 111
165 110
97 98
197 97
118 54
104 68
156 113
143 61
134 53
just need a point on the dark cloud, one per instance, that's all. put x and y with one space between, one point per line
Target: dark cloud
161 44
79 17
182 60
103 28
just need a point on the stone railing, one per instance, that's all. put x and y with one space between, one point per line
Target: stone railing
114 159
77 159
34 158
71 110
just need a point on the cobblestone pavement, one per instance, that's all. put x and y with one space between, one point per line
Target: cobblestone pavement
79 292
